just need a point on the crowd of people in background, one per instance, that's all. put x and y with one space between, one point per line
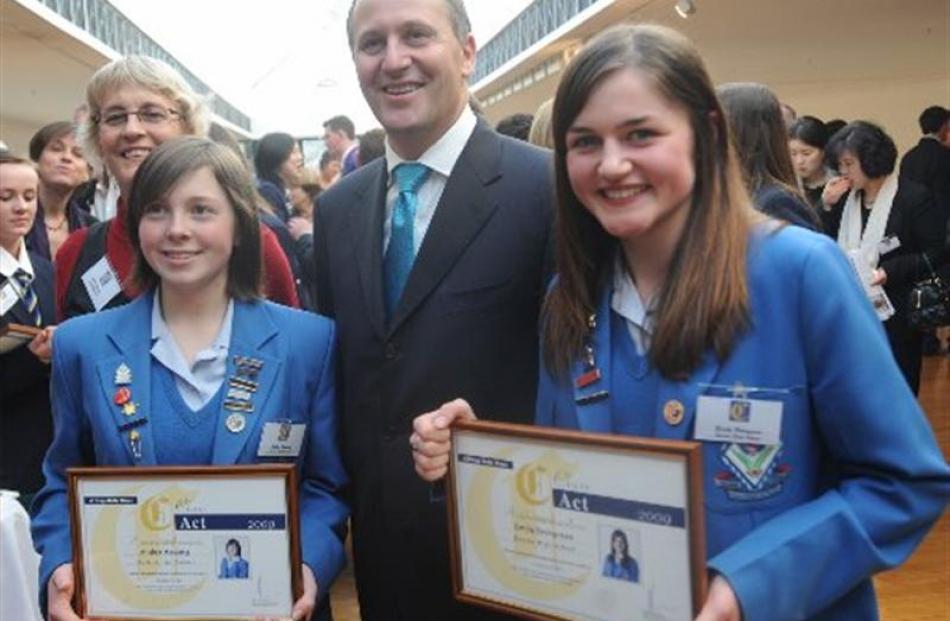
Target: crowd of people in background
73 216
788 162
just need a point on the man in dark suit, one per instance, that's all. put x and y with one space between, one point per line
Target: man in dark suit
928 163
445 309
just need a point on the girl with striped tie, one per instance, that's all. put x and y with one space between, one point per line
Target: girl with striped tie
26 298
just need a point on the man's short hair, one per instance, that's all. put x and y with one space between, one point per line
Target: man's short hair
461 25
341 123
516 125
933 119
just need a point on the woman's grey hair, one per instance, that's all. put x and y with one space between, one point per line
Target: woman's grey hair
150 74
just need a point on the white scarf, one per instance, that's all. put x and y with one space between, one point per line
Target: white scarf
849 232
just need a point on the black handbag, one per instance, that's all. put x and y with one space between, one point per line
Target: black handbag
928 305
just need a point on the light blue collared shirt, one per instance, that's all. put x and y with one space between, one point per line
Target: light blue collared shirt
199 383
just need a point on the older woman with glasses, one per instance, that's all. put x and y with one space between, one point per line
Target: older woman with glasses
136 103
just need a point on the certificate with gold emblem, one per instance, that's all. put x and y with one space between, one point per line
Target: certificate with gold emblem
556 524
185 542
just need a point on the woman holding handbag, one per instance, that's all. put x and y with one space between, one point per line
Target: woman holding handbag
886 225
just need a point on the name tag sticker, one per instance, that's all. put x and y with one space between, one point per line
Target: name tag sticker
283 439
101 283
744 421
8 298
889 243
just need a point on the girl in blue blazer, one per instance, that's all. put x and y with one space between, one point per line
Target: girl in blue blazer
675 297
197 370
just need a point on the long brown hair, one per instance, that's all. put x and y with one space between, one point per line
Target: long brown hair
704 302
759 135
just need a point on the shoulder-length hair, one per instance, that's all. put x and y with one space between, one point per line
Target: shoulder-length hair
272 151
47 134
874 149
150 74
759 135
704 303
158 175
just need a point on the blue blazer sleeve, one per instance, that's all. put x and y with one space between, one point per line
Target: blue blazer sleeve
323 513
71 446
890 483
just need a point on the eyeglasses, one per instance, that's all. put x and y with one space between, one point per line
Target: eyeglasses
147 116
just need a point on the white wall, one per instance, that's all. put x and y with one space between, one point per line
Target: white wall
16 135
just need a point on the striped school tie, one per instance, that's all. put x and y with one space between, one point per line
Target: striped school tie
25 282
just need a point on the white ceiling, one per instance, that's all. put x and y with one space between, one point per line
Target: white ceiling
43 70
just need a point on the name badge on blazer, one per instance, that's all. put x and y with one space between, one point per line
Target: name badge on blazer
739 420
281 439
888 244
101 283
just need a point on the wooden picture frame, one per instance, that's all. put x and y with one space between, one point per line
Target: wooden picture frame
148 541
532 511
13 335
19 330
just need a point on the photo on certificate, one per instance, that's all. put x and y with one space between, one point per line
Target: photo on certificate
175 543
563 525
234 553
620 561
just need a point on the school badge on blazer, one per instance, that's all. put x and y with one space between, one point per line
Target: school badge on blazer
753 471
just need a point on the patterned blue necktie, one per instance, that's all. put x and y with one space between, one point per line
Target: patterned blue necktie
401 253
25 282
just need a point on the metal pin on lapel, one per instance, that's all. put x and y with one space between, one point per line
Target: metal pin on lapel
135 443
123 375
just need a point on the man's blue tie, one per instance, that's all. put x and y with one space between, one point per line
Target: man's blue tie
401 253
25 283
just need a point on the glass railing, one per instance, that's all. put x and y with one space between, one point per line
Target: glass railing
106 23
529 27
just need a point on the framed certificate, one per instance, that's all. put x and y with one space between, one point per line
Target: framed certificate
555 524
12 335
185 542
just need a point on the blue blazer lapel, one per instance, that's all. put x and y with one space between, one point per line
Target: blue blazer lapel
593 408
686 394
251 331
592 400
43 285
131 337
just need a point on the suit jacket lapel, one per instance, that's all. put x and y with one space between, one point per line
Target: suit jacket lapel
134 352
43 286
366 232
463 210
18 314
252 329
